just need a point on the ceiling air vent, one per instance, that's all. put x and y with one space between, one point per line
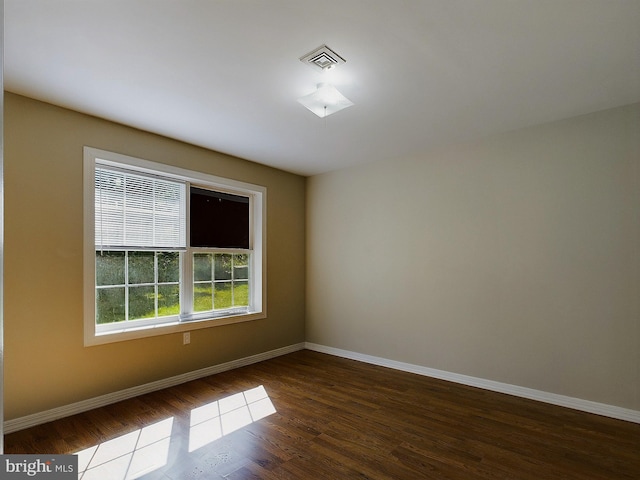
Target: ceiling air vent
322 58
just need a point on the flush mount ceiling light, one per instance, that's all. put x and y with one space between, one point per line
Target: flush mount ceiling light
325 100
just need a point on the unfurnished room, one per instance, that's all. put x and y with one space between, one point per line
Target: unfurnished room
345 239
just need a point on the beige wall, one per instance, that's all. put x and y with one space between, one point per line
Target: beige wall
46 364
514 259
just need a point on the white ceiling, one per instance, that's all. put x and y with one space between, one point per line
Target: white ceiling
225 74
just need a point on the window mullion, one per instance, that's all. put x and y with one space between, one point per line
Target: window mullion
233 260
155 281
213 281
126 285
186 261
186 281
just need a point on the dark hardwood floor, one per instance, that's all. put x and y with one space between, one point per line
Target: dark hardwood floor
310 415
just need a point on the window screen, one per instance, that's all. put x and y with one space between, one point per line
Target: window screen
219 220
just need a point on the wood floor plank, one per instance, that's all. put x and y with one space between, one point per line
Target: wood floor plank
324 417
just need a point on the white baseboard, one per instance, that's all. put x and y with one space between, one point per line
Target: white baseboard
552 398
66 410
96 402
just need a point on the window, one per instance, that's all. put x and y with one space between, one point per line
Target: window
168 249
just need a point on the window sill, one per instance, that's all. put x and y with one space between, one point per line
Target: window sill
137 332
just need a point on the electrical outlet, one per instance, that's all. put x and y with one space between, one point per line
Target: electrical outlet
186 338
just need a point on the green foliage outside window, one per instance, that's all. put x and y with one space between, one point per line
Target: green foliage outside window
135 285
220 281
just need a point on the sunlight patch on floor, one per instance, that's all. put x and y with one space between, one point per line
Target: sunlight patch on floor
128 456
216 419
145 450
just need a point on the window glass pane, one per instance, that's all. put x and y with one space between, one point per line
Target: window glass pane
202 297
223 266
110 305
110 268
241 294
222 295
201 267
141 302
168 267
168 300
241 266
141 267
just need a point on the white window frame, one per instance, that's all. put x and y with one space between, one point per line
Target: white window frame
185 322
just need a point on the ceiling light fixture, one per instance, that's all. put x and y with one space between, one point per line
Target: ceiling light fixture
325 100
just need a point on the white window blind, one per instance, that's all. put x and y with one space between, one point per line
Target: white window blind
135 210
